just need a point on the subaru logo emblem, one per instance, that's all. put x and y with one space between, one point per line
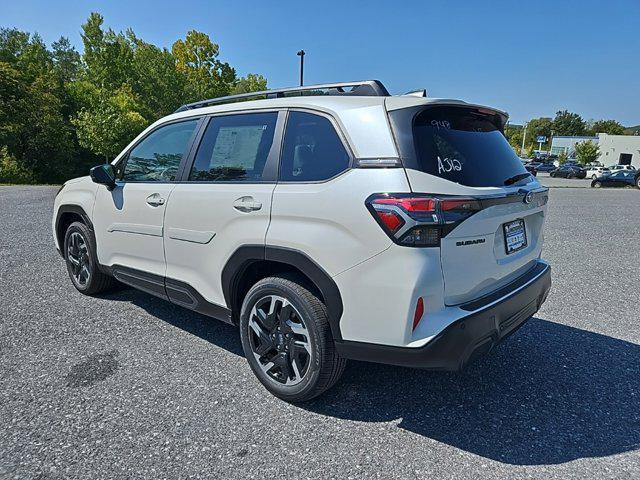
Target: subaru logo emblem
528 198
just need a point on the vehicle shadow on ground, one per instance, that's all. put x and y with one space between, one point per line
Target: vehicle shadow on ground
215 332
549 394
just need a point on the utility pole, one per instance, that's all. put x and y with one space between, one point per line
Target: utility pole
524 136
301 55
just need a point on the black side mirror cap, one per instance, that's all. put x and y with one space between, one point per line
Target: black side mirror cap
104 175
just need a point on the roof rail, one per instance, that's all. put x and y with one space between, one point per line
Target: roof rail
373 88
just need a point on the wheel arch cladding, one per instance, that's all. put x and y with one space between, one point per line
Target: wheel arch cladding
281 259
67 214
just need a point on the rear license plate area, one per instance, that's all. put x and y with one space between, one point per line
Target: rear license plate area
515 236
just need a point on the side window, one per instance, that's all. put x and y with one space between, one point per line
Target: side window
158 156
312 149
234 148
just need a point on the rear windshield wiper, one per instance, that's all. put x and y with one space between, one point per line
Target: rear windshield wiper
516 178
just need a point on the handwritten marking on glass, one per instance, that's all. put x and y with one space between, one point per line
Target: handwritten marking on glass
449 164
441 124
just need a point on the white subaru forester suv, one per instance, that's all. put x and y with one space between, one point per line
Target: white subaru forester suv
328 222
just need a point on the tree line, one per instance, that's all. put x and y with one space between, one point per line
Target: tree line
62 111
565 123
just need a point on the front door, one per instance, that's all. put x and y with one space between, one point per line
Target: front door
223 202
128 221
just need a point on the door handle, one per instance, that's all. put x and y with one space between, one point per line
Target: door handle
155 200
247 204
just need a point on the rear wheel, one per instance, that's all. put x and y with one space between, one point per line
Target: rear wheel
82 262
287 340
638 181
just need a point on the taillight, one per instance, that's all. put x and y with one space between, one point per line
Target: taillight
418 220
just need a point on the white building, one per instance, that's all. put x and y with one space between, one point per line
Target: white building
562 144
614 149
619 149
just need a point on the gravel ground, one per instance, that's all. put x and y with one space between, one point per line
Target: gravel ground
127 385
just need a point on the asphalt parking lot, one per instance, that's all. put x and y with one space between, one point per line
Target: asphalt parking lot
127 385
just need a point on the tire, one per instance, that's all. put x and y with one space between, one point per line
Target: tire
289 345
82 262
638 182
597 185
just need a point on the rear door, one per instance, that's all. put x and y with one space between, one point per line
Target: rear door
461 153
223 200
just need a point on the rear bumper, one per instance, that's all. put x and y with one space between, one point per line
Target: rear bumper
491 319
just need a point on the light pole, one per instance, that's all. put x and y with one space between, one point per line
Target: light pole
301 55
524 136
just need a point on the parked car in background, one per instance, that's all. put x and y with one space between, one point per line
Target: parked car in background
569 171
617 168
595 172
546 167
621 178
531 169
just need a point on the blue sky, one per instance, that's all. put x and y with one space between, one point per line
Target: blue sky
529 58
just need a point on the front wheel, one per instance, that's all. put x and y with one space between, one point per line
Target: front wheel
597 185
638 182
82 262
287 340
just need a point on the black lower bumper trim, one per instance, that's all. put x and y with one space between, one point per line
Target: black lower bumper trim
465 339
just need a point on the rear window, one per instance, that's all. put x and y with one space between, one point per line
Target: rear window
467 147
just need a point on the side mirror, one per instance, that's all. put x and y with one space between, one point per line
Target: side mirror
104 175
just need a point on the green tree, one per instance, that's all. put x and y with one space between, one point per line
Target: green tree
606 126
156 81
66 60
530 153
536 127
250 83
62 111
568 123
562 158
197 57
13 43
11 171
108 56
587 152
513 134
33 126
110 124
